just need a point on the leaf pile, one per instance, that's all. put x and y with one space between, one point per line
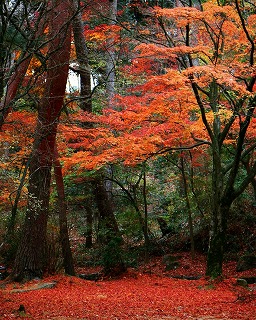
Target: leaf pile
136 295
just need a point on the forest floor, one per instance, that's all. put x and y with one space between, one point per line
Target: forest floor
147 292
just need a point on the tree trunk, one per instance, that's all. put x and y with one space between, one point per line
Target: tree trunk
63 224
84 69
30 258
13 86
111 57
217 242
104 205
109 231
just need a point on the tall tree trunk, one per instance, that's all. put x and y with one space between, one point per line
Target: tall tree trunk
111 56
104 205
84 69
110 80
108 223
218 218
63 224
30 258
86 103
109 232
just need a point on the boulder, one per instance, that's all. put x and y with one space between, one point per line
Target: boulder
242 283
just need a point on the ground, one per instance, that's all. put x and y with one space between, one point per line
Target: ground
148 292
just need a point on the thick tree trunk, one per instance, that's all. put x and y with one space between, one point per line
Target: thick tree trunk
217 242
63 224
109 232
104 205
30 259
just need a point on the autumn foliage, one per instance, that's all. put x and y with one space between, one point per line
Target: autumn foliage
136 295
160 128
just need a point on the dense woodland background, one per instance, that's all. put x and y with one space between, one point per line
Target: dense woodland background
150 153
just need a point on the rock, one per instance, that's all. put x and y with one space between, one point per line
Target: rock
242 283
91 276
38 286
249 280
49 285
246 262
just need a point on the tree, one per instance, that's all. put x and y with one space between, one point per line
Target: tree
62 207
196 90
109 230
21 39
30 258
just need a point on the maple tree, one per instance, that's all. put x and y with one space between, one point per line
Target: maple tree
110 235
174 85
198 81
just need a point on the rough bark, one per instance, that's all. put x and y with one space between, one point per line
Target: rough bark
84 69
111 57
30 258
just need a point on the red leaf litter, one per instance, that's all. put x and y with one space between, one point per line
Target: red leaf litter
148 292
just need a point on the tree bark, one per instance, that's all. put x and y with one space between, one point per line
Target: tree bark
217 242
104 205
111 57
30 259
84 69
63 224
109 232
